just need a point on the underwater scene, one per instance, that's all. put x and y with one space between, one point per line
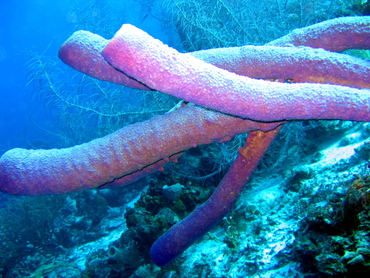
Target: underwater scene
185 138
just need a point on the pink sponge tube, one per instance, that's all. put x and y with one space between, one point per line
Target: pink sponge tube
335 35
180 236
299 64
162 68
126 154
82 51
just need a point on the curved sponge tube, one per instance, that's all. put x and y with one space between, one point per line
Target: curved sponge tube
337 34
82 51
180 236
124 154
160 67
301 64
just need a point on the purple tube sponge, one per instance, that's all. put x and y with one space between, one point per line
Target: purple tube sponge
180 236
160 67
121 157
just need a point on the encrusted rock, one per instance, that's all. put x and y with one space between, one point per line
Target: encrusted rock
356 260
172 192
363 251
348 255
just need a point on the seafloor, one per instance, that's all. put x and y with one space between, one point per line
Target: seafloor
307 218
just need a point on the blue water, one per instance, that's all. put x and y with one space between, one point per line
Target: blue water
40 27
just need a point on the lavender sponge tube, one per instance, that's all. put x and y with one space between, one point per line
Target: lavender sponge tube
180 236
126 154
352 32
162 68
82 51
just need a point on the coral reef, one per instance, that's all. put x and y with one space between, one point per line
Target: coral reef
269 104
333 240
